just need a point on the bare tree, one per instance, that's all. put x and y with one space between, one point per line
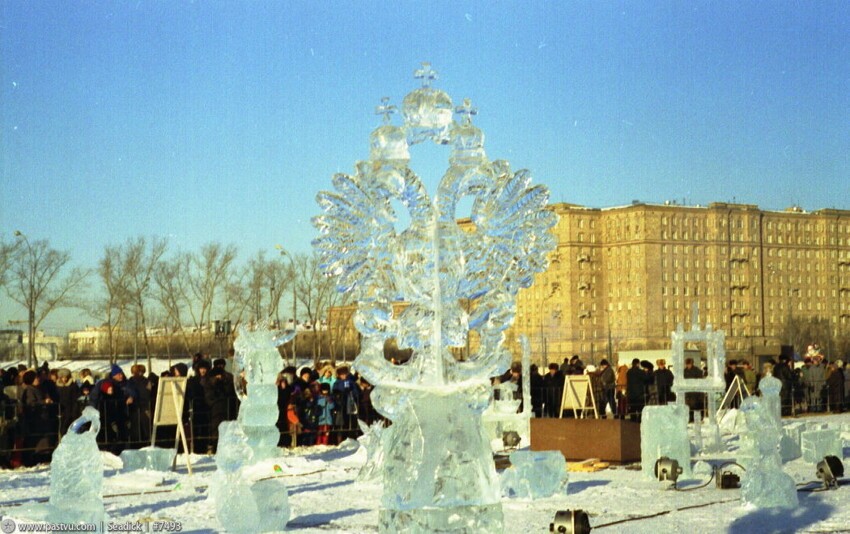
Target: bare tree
36 283
6 251
140 258
317 293
191 285
112 306
171 292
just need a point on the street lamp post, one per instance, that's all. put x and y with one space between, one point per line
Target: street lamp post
30 301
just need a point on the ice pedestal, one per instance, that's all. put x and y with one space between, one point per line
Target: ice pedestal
816 444
535 475
76 473
439 474
664 432
153 458
765 485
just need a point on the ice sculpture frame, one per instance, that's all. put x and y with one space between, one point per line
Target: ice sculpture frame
438 469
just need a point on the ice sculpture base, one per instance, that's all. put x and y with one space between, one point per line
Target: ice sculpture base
438 468
484 519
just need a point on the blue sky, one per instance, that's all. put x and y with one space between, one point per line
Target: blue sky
219 121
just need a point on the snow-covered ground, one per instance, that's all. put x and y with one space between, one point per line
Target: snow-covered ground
324 497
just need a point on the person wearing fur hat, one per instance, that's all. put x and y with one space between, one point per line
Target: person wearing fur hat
35 420
112 396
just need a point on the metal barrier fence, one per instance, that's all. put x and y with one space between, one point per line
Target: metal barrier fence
29 436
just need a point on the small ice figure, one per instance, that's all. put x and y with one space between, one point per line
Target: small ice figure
815 444
243 505
152 458
535 475
765 485
664 432
770 388
76 473
371 440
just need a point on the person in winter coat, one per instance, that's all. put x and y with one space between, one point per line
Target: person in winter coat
347 398
219 396
835 388
608 383
537 391
553 385
140 410
35 421
325 406
68 392
112 396
664 382
636 384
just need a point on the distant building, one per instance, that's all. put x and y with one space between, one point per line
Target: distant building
630 274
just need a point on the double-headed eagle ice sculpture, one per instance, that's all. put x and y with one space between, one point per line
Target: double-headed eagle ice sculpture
454 278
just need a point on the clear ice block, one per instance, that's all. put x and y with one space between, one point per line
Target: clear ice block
815 444
535 475
664 432
153 458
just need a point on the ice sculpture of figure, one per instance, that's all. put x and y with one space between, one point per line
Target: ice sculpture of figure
664 432
242 505
765 485
770 388
438 472
256 365
76 473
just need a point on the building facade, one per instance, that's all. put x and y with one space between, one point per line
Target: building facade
623 278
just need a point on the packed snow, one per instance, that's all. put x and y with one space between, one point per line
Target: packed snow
325 497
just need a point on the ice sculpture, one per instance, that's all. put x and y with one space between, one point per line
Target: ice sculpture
153 458
664 432
815 444
256 364
714 383
770 388
372 441
438 473
243 505
535 475
76 473
502 415
765 485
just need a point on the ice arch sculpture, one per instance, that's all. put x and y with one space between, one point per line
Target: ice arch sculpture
438 471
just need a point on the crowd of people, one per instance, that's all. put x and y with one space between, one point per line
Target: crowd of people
38 405
322 405
812 385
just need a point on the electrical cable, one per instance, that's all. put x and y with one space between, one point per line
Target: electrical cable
640 517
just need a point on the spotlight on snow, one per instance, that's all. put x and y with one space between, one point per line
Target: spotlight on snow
511 439
830 469
570 522
667 469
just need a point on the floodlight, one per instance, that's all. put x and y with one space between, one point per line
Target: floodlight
570 522
830 469
667 469
511 439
